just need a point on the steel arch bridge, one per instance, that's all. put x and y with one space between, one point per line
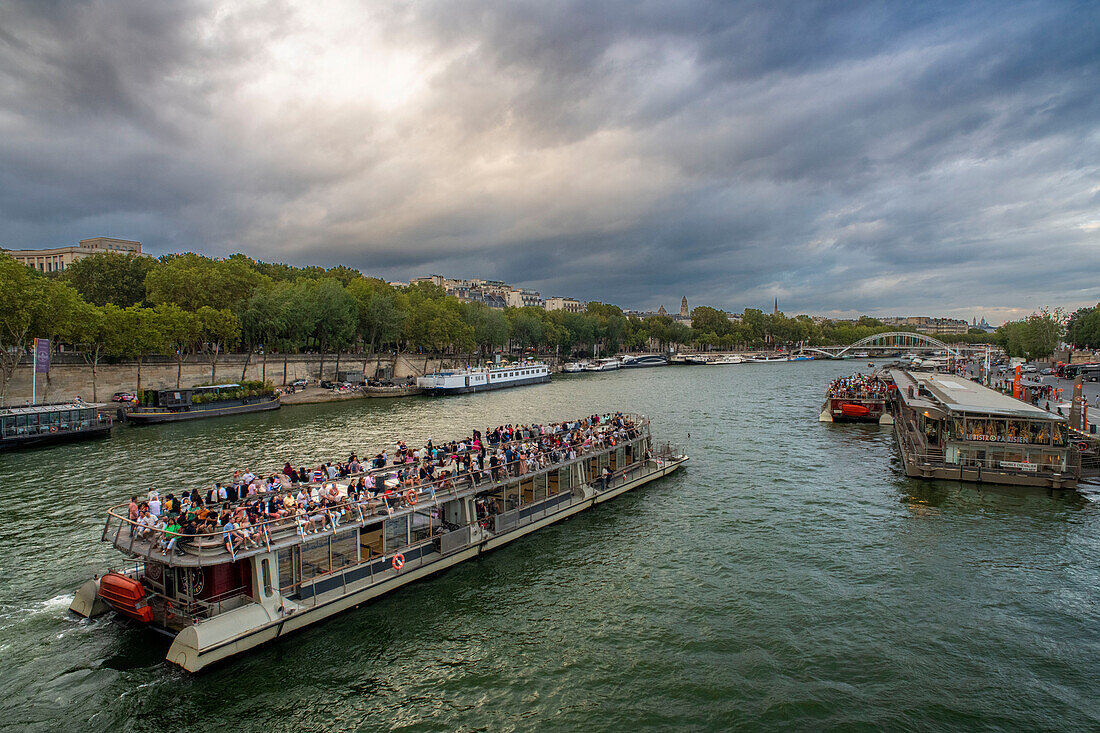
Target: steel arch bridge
902 340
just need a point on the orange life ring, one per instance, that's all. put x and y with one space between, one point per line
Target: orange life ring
1082 445
398 561
411 496
53 428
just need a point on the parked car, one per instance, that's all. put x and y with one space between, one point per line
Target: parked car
1047 371
124 397
1028 369
298 384
325 384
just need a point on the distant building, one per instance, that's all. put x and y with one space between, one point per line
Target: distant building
684 313
566 304
983 325
929 326
59 258
661 311
523 298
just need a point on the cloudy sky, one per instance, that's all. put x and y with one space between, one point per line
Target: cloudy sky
884 158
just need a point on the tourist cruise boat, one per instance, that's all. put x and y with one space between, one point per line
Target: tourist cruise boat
862 398
574 367
725 360
603 365
216 400
216 601
61 422
485 378
765 359
626 361
948 427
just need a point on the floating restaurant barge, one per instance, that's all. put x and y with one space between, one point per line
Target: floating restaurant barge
62 422
218 602
948 427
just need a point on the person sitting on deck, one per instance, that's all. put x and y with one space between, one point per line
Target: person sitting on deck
230 537
171 537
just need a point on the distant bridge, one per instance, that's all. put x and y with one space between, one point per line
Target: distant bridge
892 341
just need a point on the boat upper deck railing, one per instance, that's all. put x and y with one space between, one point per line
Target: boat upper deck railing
393 499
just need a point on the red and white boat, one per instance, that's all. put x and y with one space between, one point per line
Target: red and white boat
859 398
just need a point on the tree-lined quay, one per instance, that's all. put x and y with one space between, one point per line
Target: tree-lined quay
115 307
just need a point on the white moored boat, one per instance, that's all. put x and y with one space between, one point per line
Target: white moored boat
725 359
643 360
603 365
220 593
479 380
574 367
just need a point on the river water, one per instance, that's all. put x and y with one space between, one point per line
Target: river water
790 578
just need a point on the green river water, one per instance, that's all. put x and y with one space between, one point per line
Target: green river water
790 578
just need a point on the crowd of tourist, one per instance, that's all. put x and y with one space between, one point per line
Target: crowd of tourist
310 500
857 386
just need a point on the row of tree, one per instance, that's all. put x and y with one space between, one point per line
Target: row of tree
112 306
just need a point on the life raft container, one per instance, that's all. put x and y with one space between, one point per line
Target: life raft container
125 595
849 409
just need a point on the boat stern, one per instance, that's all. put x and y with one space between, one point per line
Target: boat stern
87 601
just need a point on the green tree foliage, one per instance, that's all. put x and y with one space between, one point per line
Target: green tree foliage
1083 328
192 281
110 278
336 317
31 306
135 334
380 319
1034 337
490 326
219 328
181 330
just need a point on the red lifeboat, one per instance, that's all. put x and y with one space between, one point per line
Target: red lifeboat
849 409
125 595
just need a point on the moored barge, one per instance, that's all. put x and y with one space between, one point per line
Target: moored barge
486 378
948 427
45 424
217 599
219 400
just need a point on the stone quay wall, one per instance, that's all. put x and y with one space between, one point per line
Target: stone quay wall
70 377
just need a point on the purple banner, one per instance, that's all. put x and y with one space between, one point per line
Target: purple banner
42 355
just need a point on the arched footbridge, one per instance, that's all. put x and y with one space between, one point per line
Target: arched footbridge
893 341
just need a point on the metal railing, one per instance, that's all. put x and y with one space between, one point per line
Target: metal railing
137 539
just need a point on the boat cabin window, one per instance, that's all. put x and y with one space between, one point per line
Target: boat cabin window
315 559
565 479
1001 430
397 533
345 550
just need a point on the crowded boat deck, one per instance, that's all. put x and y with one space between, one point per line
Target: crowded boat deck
859 397
296 541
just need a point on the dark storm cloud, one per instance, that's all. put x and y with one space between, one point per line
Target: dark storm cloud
843 157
